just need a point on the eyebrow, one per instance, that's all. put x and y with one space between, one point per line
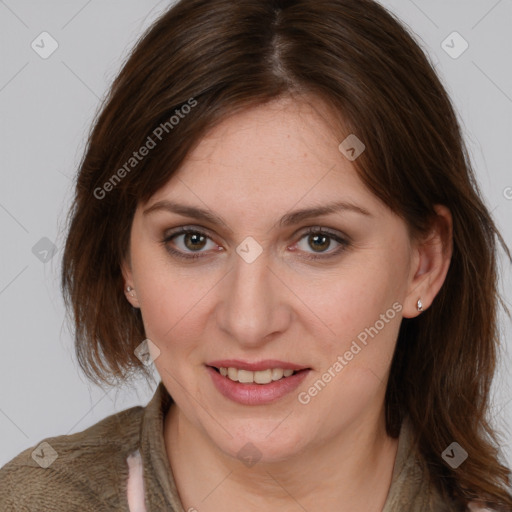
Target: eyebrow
288 219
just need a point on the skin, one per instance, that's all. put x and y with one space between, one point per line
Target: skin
332 454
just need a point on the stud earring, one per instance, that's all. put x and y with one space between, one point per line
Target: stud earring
420 305
129 289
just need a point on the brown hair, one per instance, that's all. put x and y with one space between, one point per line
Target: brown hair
220 56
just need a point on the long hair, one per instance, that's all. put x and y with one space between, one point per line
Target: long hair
204 60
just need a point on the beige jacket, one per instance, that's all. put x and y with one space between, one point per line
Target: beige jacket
120 464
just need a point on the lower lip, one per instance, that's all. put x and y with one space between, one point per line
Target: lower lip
256 394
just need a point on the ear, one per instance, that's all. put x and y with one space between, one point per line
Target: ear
431 260
129 286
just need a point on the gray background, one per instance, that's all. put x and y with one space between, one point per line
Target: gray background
47 106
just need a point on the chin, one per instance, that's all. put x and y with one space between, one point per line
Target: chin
262 442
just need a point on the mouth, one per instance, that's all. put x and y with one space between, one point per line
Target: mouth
258 383
256 377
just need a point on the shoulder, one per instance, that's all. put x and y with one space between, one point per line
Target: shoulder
85 471
414 487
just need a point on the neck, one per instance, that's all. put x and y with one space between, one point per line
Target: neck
351 472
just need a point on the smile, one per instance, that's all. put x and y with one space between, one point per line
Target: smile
258 377
255 383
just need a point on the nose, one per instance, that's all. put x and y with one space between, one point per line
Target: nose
253 305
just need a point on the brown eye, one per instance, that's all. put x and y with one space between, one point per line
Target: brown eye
187 243
194 241
319 241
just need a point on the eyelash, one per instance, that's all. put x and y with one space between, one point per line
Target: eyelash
344 243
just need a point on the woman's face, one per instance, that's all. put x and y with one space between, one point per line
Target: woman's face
249 284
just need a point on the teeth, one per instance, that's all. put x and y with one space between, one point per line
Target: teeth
244 376
259 377
277 373
262 377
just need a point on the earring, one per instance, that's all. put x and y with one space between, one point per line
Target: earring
419 305
129 289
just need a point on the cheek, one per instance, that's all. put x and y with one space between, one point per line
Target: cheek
172 303
362 308
353 300
364 315
166 307
162 299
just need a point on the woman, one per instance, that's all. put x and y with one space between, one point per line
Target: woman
276 209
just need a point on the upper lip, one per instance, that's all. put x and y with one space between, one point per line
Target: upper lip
256 366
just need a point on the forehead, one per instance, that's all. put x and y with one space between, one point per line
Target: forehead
276 155
267 137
